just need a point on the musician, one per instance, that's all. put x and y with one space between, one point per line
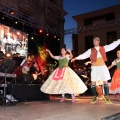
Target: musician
25 69
34 71
33 68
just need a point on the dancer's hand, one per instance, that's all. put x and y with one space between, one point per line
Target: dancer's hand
69 50
52 56
47 50
73 59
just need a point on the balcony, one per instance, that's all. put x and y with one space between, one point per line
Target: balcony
98 26
93 27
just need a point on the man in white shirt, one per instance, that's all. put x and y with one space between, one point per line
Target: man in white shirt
99 70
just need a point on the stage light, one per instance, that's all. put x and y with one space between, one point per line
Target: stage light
32 38
3 18
8 55
58 38
40 31
12 12
55 36
47 34
16 22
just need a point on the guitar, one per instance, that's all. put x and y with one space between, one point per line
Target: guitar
36 75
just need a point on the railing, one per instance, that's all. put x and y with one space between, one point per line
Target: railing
92 27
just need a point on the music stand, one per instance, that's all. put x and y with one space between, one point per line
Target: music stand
6 68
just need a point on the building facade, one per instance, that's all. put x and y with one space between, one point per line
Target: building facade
104 23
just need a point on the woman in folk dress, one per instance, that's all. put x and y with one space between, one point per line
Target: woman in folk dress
63 79
115 84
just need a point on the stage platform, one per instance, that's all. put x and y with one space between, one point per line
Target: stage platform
54 110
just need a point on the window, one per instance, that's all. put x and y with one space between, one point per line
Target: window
111 36
107 17
110 16
87 22
54 1
75 43
88 42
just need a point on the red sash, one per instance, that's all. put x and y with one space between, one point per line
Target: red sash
59 74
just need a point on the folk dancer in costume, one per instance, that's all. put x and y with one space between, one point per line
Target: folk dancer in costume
63 79
99 70
115 83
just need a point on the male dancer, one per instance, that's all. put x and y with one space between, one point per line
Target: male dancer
99 70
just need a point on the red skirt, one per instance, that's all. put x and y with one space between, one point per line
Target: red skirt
115 84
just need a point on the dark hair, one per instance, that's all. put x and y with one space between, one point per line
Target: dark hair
63 48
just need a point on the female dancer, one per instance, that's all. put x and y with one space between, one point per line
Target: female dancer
63 80
115 84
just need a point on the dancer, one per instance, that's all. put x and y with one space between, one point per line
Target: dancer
115 84
99 70
63 80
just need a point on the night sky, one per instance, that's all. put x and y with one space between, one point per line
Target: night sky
76 7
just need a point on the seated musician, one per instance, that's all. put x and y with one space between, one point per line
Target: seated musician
25 67
35 72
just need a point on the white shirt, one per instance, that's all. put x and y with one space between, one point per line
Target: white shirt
59 57
115 62
107 48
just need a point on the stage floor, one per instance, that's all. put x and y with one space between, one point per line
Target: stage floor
54 110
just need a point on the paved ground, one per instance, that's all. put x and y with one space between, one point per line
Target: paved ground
54 110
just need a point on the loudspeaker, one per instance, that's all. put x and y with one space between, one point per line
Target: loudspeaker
25 79
27 92
7 65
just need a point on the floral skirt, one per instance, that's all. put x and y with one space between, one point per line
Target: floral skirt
115 84
63 81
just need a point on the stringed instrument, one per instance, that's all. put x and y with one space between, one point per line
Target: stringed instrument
36 75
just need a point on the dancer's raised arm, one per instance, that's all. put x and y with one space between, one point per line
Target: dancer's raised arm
71 55
51 55
112 46
83 56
